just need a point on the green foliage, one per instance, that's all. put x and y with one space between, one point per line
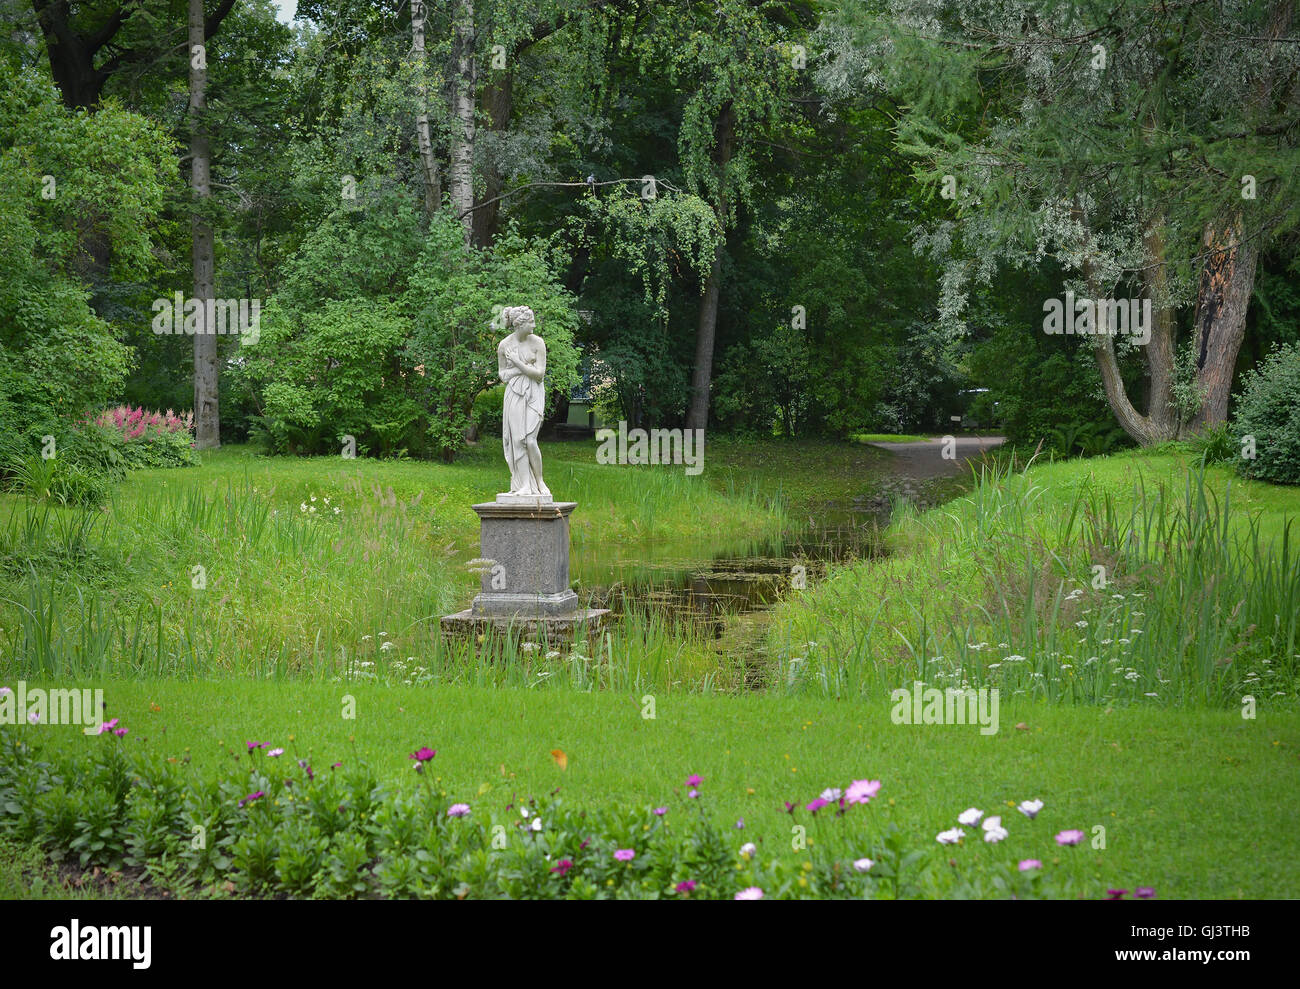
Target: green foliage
453 300
1268 408
272 825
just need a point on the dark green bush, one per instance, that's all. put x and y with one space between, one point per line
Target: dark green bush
1268 409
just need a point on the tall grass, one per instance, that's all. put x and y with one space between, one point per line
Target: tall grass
1169 596
195 580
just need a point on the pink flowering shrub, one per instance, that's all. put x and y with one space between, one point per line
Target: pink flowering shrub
138 423
148 439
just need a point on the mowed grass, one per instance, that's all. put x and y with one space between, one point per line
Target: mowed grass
1194 802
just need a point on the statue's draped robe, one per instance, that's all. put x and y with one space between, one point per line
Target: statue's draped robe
524 404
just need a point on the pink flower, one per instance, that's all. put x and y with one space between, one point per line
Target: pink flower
861 791
424 754
1115 894
107 726
685 886
750 893
458 810
694 780
625 854
563 866
121 731
661 811
1027 864
693 794
256 795
254 745
1071 837
275 753
817 805
1145 892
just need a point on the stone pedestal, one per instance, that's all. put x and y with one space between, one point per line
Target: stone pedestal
524 571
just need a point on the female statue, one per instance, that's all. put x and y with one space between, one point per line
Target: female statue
521 364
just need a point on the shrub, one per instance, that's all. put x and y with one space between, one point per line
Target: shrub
1268 408
148 439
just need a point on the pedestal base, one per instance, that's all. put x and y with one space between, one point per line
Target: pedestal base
553 629
524 572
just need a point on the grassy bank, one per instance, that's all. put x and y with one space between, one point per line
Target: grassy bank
1216 826
1118 580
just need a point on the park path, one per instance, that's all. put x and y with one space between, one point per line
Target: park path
923 460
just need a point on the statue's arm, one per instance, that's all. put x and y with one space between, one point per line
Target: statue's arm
537 371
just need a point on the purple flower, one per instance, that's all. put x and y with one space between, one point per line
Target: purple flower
789 807
458 810
861 791
1027 864
337 765
693 794
1115 894
740 825
1071 837
817 805
1145 892
661 811
423 755
695 780
255 795
685 886
625 854
121 731
563 866
750 893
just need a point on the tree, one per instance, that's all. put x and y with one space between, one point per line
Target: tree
1110 139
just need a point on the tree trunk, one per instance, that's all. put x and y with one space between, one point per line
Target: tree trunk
706 324
428 161
1227 281
461 174
498 103
207 419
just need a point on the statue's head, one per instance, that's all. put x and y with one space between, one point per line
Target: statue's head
520 320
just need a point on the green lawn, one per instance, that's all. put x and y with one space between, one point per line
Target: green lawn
1195 803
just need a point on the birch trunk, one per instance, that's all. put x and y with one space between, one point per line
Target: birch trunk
207 417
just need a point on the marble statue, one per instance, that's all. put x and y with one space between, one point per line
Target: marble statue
521 365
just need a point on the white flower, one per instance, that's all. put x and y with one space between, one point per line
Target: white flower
950 837
387 645
1030 808
830 794
1080 624
524 813
863 865
994 835
537 824
748 849
970 817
